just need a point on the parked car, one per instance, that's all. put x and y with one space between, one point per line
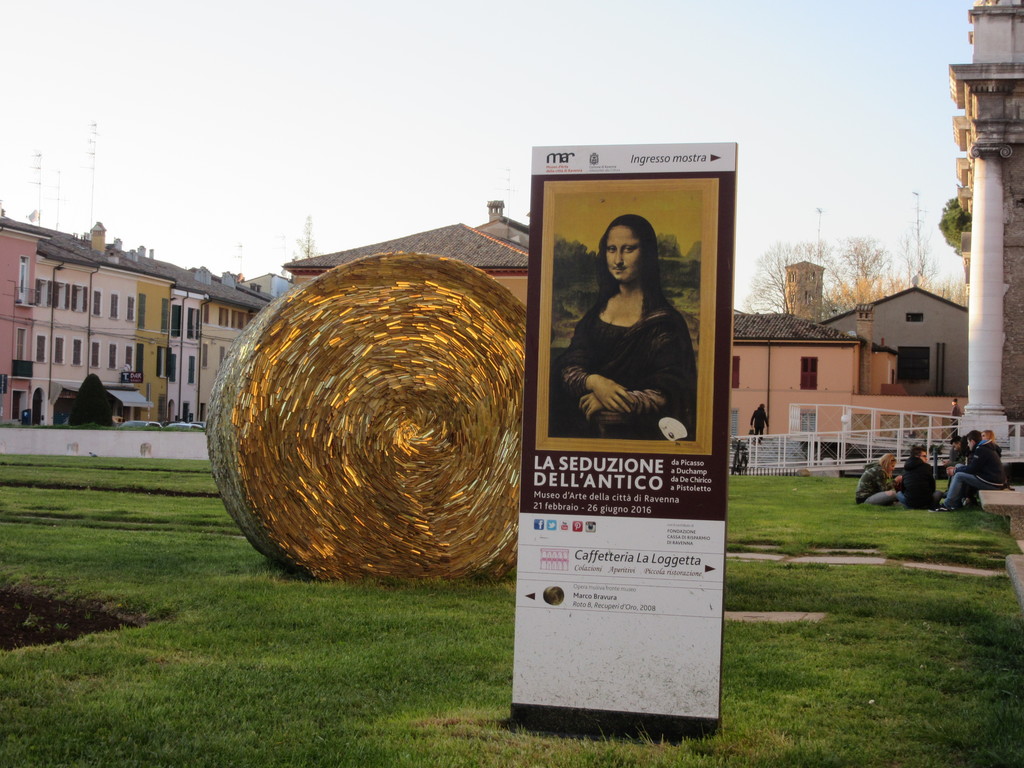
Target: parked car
185 425
139 424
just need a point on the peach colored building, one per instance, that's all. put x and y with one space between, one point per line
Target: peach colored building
781 360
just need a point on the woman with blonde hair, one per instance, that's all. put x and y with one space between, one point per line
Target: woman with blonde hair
876 485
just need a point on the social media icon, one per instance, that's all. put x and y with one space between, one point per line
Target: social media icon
591 526
577 526
552 525
538 524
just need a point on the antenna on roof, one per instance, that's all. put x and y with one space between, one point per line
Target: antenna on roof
91 152
37 166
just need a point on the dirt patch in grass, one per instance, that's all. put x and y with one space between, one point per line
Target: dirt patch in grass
29 617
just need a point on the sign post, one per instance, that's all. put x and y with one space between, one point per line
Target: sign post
619 598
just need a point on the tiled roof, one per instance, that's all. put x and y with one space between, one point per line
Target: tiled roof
781 327
456 241
897 295
61 246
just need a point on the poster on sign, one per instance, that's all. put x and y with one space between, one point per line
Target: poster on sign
619 595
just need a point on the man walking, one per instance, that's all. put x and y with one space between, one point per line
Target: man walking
759 420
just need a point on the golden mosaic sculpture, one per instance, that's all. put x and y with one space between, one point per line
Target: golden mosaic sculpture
368 423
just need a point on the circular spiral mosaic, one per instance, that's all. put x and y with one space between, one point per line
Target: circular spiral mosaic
368 423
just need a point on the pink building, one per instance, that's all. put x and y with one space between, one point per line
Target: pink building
17 284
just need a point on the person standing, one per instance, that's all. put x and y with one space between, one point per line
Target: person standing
956 411
759 420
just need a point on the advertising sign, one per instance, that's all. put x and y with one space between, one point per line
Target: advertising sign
619 599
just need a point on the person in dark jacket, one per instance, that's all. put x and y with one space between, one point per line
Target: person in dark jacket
759 420
918 485
984 471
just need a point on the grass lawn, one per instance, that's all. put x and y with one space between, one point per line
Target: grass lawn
245 665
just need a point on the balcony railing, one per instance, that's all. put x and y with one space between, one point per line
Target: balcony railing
21 369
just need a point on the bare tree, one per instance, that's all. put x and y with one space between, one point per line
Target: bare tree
768 288
859 271
306 245
915 258
951 288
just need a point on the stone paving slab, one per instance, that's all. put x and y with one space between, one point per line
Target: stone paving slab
952 569
839 560
773 617
1015 567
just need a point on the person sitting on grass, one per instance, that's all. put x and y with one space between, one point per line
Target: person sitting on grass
918 490
983 472
876 486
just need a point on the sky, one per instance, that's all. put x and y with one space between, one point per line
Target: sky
209 131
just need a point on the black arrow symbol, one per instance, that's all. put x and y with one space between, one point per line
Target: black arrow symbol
715 157
708 568
532 595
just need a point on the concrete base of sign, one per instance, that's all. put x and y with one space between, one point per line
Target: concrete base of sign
1015 567
598 723
1008 504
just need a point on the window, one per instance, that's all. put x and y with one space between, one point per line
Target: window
141 318
42 292
58 350
23 280
223 352
191 369
76 351
94 355
222 317
161 354
735 371
192 327
205 355
172 366
808 373
21 345
97 303
165 314
40 349
206 317
112 356
915 317
138 360
115 300
129 309
128 349
176 321
63 296
78 294
912 363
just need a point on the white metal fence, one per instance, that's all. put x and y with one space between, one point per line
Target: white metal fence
844 437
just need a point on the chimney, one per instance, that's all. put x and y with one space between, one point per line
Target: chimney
866 321
866 330
99 237
495 209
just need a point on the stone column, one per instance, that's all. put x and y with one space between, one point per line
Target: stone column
985 308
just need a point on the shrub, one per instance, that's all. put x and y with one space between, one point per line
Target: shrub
92 405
